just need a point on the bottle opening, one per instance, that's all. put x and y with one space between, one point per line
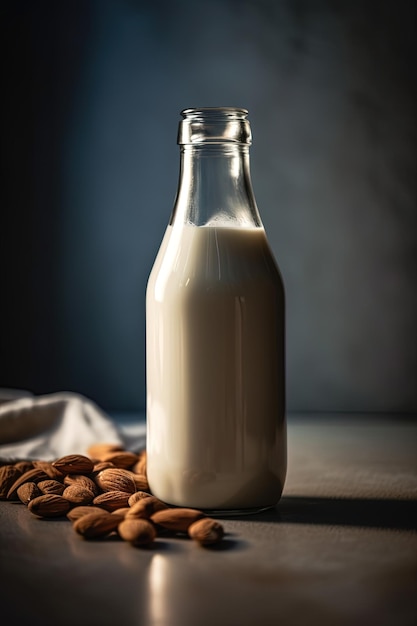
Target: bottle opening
214 125
204 113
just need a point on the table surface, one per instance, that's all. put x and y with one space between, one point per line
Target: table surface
340 548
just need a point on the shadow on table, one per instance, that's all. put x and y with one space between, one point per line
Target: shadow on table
374 513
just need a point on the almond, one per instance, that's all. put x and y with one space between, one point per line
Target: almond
34 476
121 511
96 524
140 510
206 531
27 492
79 511
78 494
81 481
8 476
50 486
98 450
138 532
177 519
49 505
101 465
138 495
141 482
49 470
123 460
24 466
112 500
116 479
74 464
146 507
140 466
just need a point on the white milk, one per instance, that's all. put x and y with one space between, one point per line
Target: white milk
216 435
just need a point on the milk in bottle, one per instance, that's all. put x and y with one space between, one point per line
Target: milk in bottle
215 333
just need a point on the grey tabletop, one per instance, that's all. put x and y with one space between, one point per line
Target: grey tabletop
339 549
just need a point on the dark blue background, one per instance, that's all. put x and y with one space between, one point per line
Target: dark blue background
91 94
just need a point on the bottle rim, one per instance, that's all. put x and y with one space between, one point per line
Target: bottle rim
204 125
215 112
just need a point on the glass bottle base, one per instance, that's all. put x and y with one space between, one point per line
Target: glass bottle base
236 512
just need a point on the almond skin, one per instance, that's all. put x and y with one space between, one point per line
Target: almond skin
145 507
138 532
140 466
112 500
141 482
140 510
177 519
74 464
122 512
123 460
101 465
206 531
96 525
8 476
79 511
34 475
49 470
50 486
116 479
78 495
81 481
138 495
98 450
49 505
24 466
28 492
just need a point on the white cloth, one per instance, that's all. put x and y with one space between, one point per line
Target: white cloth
50 426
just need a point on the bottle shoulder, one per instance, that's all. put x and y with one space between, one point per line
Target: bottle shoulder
205 258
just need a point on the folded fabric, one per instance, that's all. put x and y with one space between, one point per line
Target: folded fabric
49 426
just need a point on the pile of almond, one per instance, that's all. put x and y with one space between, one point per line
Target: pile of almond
103 494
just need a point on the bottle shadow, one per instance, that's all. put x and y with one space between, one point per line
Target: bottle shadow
366 512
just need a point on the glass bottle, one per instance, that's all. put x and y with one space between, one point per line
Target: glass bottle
215 332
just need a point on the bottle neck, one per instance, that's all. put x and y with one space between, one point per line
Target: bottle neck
215 187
